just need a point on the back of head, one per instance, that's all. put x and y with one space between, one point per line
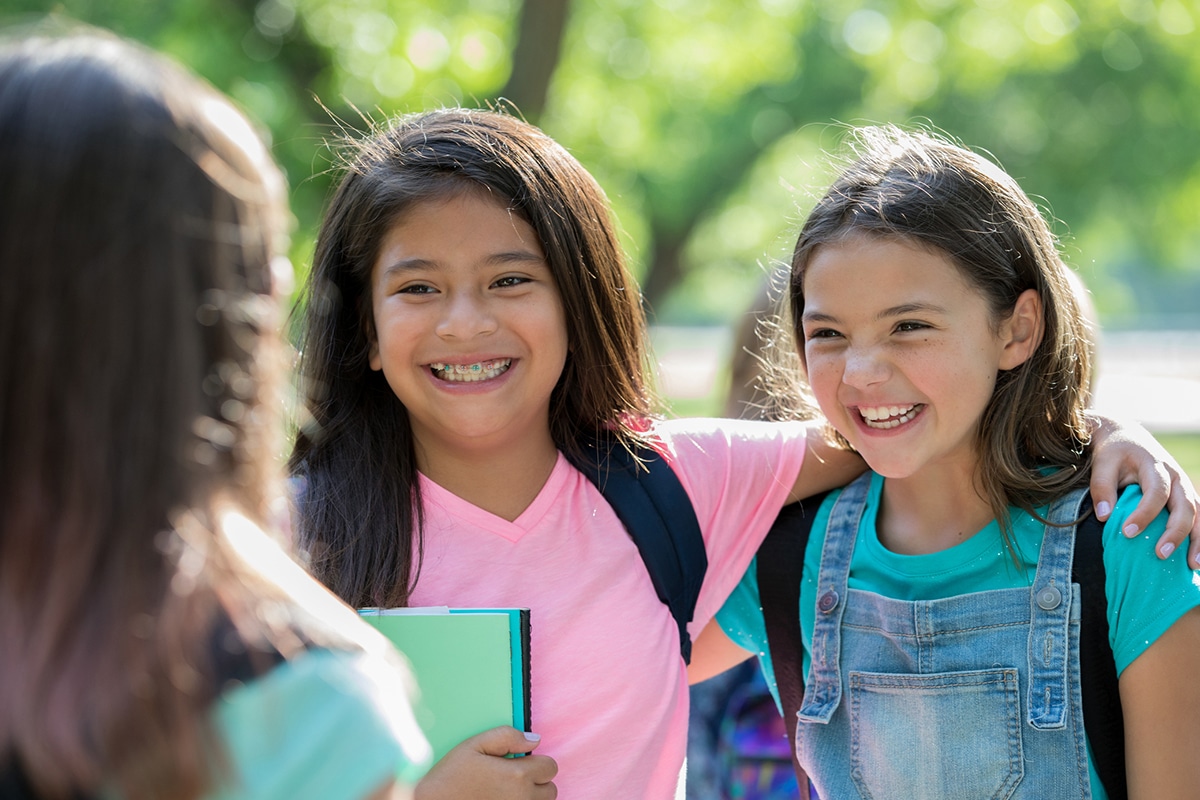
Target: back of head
357 445
137 370
928 191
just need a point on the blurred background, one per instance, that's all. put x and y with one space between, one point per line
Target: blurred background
705 121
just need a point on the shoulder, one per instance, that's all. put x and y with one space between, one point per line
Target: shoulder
705 435
336 723
1146 594
734 469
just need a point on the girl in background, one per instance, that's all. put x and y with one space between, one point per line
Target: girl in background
939 623
467 320
155 641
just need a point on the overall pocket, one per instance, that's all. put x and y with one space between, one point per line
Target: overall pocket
940 736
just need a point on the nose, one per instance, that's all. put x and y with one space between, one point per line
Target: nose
465 315
865 366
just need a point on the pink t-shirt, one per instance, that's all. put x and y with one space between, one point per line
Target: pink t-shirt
609 689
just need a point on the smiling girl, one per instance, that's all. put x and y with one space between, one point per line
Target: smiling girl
939 622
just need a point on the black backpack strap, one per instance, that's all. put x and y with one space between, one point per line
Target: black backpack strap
1102 716
658 514
780 570
235 661
13 783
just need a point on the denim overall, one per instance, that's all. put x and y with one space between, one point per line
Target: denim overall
964 698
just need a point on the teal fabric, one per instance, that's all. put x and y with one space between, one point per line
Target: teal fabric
324 725
1146 595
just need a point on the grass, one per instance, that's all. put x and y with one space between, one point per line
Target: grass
1185 447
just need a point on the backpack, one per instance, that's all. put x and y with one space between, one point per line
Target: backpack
658 514
752 753
781 560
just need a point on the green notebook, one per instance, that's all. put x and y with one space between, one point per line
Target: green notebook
471 666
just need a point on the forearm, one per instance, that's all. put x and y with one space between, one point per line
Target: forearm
713 653
826 466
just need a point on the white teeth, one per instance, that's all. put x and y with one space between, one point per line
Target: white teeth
470 373
885 417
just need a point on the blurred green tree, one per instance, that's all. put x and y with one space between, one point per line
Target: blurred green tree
705 119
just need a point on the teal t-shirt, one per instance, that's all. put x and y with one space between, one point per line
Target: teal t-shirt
1146 595
327 725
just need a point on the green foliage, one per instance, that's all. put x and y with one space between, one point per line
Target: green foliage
705 120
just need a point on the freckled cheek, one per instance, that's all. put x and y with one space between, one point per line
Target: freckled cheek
824 378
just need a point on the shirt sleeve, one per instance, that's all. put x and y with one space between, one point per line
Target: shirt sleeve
328 725
741 619
738 474
1146 594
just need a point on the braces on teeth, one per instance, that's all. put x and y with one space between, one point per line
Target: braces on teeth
471 372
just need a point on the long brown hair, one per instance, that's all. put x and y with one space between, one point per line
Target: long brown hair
139 376
916 187
360 512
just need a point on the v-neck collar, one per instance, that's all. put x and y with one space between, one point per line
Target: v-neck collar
481 519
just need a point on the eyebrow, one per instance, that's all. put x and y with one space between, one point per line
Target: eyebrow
495 259
887 313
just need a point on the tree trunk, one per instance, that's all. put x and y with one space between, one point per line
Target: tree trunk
535 56
664 268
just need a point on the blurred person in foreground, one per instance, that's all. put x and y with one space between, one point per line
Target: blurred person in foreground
155 639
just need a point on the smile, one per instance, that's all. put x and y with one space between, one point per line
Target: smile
470 373
885 417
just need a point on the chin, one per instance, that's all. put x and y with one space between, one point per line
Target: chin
888 468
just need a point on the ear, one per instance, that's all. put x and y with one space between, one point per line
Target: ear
373 358
1022 332
373 355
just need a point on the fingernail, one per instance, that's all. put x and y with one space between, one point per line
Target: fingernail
1167 549
1102 508
1130 530
532 737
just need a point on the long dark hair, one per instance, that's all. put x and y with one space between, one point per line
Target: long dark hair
360 514
140 373
917 187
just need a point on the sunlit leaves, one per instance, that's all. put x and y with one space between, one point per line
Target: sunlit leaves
703 119
401 54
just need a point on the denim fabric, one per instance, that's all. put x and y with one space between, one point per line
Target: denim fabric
963 698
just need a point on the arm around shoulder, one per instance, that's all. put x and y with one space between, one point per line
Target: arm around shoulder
1126 453
826 466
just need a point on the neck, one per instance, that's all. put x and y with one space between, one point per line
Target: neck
502 482
931 511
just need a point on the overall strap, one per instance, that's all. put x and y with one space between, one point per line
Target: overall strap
1103 719
658 514
780 565
1050 603
823 693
